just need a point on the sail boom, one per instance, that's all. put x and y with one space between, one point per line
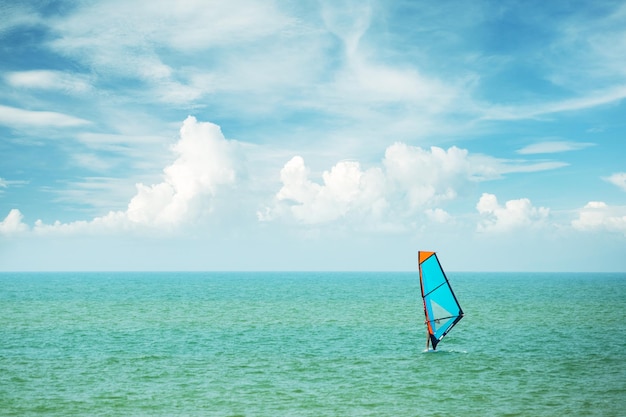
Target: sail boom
445 318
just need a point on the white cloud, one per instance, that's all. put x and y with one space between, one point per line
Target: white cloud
348 20
455 167
109 141
372 90
590 51
511 166
429 176
100 193
408 183
588 100
136 40
488 167
618 179
14 117
553 147
205 162
438 215
114 221
49 80
12 224
514 214
254 57
597 215
6 183
112 152
583 57
366 80
346 188
409 180
91 161
17 14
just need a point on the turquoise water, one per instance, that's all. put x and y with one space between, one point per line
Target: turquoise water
308 344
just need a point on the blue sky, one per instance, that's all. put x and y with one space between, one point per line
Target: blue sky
318 135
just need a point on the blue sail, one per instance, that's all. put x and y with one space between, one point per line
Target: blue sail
441 308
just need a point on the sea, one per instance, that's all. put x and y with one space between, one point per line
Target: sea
309 344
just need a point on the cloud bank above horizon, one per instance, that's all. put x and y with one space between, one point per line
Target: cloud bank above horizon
409 181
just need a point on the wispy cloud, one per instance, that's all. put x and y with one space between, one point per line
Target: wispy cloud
266 60
537 110
4 183
15 117
138 40
579 65
553 147
511 167
17 14
49 80
94 195
589 52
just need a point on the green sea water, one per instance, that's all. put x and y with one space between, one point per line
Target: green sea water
309 344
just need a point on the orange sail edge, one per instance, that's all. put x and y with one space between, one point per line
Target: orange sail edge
424 255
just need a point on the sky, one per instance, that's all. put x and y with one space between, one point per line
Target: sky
312 135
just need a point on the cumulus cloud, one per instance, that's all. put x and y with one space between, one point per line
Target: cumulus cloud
438 215
597 215
346 188
618 179
13 224
513 215
430 176
204 163
408 180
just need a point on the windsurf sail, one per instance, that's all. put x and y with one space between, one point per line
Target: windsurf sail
441 308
